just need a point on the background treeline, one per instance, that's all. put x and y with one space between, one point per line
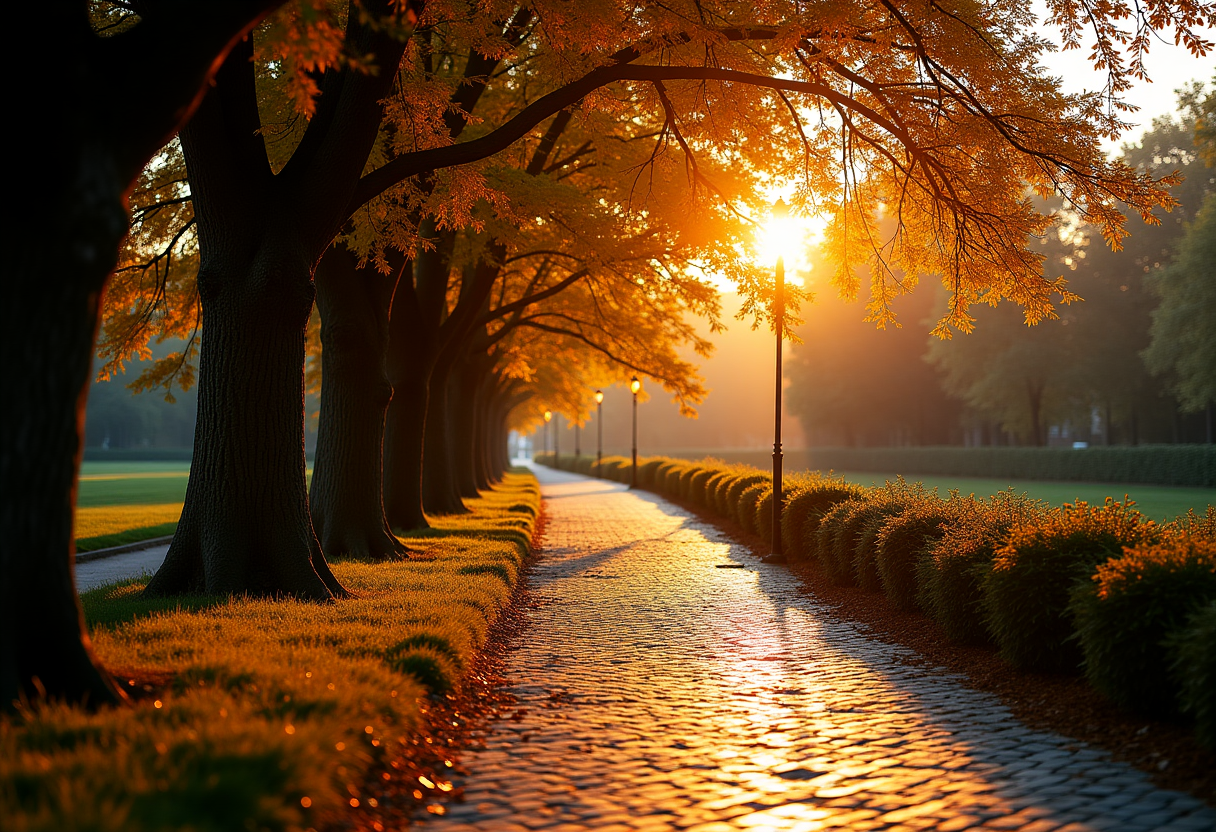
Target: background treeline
1135 362
1099 590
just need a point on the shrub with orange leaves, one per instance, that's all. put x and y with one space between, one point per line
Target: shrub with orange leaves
1129 610
1026 594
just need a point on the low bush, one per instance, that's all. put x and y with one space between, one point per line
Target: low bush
804 509
837 538
764 514
856 546
710 490
734 490
1129 609
648 470
1027 591
950 586
1193 649
904 540
745 506
696 485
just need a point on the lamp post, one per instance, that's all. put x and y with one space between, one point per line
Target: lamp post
548 416
578 417
634 387
599 430
780 212
557 454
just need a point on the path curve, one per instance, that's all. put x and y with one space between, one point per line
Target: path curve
661 692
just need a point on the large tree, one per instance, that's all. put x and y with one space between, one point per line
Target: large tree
943 115
89 117
1183 330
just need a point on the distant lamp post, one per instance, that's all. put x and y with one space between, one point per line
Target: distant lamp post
557 454
548 417
599 430
780 217
578 417
634 387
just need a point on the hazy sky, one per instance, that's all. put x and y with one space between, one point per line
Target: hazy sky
1168 66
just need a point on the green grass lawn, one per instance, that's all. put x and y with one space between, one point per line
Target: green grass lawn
132 483
1160 502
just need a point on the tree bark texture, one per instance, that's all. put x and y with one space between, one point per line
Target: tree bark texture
246 526
346 495
94 116
50 321
440 491
465 408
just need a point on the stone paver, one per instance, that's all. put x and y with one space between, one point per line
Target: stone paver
95 573
660 692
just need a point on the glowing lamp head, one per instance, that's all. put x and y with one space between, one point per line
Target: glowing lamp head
780 237
548 415
635 385
599 396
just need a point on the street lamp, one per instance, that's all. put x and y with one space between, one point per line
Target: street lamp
577 418
599 429
634 387
557 454
780 217
548 416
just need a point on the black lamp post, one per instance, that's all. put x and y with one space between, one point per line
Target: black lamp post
557 454
780 212
577 450
599 430
634 387
548 416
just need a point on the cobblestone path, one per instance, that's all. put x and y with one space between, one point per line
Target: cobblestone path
661 692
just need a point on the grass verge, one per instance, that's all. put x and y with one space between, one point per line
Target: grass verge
103 526
266 714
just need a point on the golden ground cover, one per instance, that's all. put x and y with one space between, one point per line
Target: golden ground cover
259 713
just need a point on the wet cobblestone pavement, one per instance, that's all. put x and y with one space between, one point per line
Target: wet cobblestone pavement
661 692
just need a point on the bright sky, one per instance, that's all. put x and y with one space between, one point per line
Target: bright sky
1168 66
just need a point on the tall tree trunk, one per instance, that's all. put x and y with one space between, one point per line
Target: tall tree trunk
245 525
404 433
1034 394
464 407
346 495
440 494
49 324
483 470
93 118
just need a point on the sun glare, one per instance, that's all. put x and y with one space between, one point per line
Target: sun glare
791 238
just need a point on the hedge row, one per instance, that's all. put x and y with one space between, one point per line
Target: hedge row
1080 588
1182 465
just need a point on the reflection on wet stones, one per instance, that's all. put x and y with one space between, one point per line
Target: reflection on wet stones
673 697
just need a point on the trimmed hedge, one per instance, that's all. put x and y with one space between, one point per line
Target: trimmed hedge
903 542
1026 594
1128 610
805 508
1194 667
